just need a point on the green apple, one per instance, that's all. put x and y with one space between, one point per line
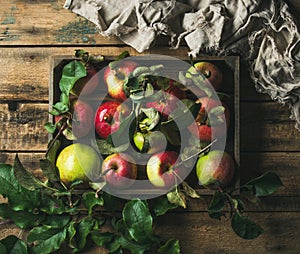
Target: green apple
78 162
151 142
215 166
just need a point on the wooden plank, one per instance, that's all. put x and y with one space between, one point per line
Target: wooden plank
267 127
29 160
46 23
22 127
33 70
199 234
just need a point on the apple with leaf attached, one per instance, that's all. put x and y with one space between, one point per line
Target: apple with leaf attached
168 101
88 84
212 120
116 77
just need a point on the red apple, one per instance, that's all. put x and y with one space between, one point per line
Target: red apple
116 77
82 119
161 171
88 84
215 166
119 170
210 71
167 104
107 118
210 123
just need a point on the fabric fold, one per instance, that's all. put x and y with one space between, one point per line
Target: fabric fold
263 32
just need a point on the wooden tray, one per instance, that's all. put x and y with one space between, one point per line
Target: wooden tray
231 70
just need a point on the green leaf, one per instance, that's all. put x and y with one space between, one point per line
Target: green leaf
171 134
153 117
162 205
107 148
216 206
64 98
51 153
2 248
22 219
183 114
13 245
265 184
102 238
132 246
71 232
218 110
177 197
60 107
46 239
19 198
244 227
111 203
25 178
50 127
72 72
49 170
83 229
189 191
138 220
89 200
122 135
52 205
57 221
170 247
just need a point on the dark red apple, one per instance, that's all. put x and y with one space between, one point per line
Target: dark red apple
167 104
119 170
215 166
211 122
161 167
88 84
107 118
116 77
82 118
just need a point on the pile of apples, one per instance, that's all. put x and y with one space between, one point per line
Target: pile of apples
120 169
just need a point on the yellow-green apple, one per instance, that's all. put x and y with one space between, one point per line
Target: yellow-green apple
210 71
82 118
116 77
167 103
151 142
88 84
162 170
119 170
215 167
212 120
107 117
78 162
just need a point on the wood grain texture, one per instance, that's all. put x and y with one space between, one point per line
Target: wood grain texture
22 127
27 70
44 23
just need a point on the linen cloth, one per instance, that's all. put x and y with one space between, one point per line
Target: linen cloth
263 32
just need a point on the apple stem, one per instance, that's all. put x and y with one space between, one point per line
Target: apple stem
56 137
196 154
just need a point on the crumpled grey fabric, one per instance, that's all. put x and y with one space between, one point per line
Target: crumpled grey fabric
263 32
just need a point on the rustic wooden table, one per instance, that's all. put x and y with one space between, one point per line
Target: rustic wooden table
32 31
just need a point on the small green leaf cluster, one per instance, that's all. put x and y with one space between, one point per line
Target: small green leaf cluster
263 185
